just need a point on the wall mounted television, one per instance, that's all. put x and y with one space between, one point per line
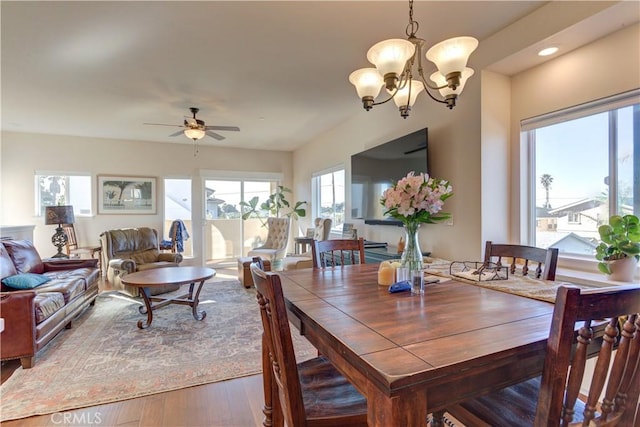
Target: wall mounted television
376 169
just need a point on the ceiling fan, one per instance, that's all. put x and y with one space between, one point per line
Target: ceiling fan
195 128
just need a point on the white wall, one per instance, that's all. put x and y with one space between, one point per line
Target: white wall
23 154
496 181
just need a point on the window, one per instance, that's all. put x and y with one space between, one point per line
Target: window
583 167
177 205
328 190
574 217
63 188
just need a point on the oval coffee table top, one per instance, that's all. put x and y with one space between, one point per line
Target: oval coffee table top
168 276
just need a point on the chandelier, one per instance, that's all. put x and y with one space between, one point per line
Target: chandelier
395 60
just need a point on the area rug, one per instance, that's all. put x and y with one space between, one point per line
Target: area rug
105 358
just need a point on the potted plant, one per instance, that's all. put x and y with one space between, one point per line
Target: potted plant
619 250
276 205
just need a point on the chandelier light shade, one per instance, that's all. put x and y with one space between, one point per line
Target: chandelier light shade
194 133
451 56
367 81
405 97
395 60
445 90
390 57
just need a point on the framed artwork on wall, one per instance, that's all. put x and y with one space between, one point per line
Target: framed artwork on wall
126 195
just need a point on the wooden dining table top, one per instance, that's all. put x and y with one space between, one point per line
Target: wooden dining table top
455 341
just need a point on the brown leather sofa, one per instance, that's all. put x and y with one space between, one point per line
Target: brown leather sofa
128 250
33 317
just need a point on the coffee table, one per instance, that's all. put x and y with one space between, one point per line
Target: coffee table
146 280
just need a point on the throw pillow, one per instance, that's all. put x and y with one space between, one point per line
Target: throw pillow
25 280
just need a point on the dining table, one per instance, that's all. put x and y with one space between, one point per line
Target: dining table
412 355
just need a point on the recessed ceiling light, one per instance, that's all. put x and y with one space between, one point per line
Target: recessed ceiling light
548 51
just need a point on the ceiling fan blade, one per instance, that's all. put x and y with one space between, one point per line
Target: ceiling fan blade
162 124
233 128
180 132
215 135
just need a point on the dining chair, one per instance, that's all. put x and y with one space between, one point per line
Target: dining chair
521 256
576 333
72 247
310 393
334 252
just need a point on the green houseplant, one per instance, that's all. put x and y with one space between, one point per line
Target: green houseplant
620 240
276 205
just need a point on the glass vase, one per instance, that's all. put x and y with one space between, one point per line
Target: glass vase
412 255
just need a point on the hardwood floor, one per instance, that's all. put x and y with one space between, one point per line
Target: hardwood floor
232 403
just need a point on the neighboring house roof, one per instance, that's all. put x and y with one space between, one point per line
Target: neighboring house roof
543 212
579 206
573 236
566 242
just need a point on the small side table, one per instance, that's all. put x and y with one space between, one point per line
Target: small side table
301 244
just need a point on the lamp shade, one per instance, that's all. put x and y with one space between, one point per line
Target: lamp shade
439 80
408 93
390 56
367 81
452 54
194 133
59 215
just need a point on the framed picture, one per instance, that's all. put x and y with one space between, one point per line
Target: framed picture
126 195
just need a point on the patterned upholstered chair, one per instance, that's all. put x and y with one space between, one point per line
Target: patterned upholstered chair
275 247
321 231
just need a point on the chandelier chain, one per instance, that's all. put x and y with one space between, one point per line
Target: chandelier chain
412 27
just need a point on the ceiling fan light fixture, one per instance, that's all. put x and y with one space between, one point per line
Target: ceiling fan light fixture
194 133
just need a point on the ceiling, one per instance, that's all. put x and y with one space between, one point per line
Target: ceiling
278 70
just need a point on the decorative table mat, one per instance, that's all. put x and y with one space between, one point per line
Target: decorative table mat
543 290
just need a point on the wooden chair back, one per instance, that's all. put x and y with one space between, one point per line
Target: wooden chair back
520 258
559 390
72 239
277 338
334 252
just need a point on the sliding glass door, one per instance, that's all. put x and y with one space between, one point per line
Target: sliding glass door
226 235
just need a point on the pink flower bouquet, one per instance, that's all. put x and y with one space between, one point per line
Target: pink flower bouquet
417 199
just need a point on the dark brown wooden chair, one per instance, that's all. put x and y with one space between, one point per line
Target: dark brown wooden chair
553 399
521 256
328 253
310 393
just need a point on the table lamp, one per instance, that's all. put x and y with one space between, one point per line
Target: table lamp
59 215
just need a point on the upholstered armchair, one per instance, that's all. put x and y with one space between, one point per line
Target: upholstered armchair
322 228
277 238
129 250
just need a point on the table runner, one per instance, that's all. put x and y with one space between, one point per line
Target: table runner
543 290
